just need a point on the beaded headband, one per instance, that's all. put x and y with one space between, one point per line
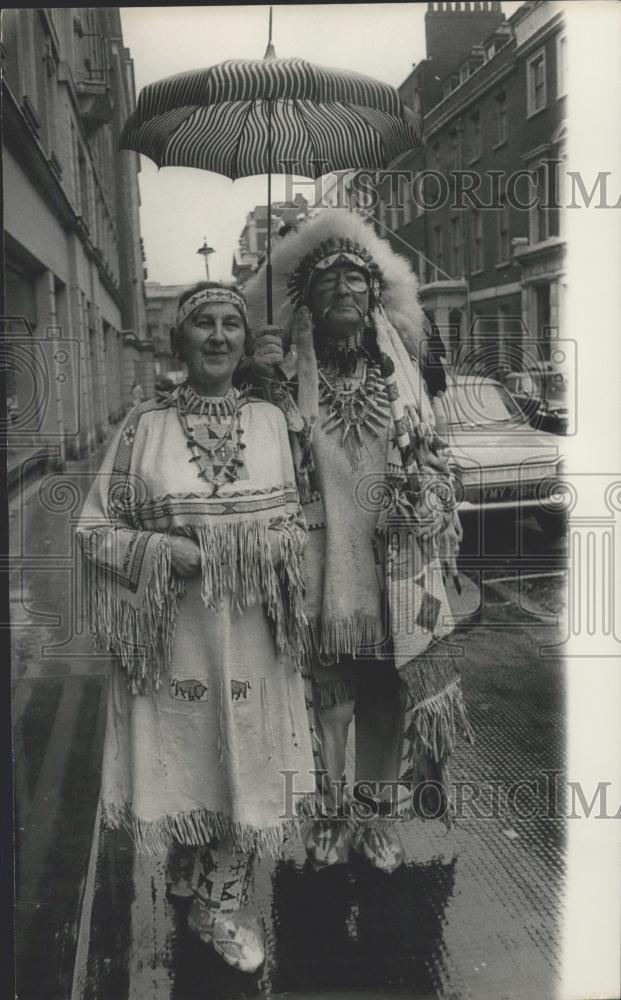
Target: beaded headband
326 255
211 295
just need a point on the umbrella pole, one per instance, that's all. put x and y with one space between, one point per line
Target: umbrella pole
269 54
268 267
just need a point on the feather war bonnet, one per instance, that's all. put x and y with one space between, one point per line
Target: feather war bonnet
393 283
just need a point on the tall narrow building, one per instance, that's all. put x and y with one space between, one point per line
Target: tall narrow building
75 327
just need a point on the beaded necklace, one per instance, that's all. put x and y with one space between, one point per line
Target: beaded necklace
354 408
215 440
341 355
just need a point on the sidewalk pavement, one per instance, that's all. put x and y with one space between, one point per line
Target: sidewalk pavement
58 701
474 915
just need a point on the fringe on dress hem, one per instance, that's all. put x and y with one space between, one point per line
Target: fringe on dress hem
200 826
334 637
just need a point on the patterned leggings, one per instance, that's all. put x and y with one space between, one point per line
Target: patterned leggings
217 875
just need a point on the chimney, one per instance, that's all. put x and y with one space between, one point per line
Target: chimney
452 29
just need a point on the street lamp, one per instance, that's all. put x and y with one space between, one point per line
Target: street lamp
205 251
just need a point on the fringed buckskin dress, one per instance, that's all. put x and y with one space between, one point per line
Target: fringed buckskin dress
206 701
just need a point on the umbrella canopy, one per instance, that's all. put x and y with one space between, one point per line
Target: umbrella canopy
270 116
262 116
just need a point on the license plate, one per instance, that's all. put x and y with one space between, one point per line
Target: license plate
504 492
507 492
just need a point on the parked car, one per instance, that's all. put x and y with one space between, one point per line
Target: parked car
541 394
501 463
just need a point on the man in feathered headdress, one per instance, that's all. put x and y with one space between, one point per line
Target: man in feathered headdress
373 476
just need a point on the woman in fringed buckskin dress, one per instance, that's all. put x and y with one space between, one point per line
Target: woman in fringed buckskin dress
193 537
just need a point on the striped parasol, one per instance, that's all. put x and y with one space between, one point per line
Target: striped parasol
263 116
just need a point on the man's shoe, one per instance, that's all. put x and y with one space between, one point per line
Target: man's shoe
327 842
380 846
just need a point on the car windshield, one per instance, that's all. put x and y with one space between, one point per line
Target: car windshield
480 403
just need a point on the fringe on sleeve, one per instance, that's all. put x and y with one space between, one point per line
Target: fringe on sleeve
139 633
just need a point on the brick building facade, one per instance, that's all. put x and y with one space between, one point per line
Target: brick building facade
490 264
75 316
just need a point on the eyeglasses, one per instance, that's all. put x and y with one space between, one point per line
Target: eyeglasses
356 281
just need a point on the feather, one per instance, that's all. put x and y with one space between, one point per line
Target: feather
400 294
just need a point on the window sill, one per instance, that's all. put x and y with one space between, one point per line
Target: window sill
503 264
499 144
479 270
474 159
533 114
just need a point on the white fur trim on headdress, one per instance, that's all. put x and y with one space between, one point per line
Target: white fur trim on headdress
211 295
399 283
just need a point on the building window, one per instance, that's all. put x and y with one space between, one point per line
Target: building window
457 257
543 318
438 246
504 241
544 214
475 137
561 65
83 186
536 82
20 289
501 118
453 162
476 241
561 191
